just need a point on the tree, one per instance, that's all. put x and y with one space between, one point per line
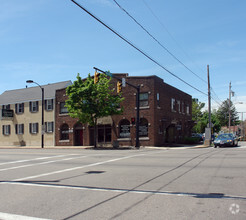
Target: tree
214 120
223 113
89 101
197 115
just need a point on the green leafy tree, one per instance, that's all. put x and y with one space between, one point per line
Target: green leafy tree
197 115
88 101
223 114
214 120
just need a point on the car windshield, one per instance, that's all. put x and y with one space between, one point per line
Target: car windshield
225 136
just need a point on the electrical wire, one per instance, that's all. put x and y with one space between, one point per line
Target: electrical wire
135 47
168 51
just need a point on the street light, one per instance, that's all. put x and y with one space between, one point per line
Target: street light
42 117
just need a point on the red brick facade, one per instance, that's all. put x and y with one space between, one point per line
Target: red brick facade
165 116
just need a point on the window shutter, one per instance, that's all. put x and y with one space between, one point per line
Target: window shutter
37 105
16 127
30 128
52 125
45 126
22 128
51 104
16 108
22 107
3 129
9 129
37 127
30 106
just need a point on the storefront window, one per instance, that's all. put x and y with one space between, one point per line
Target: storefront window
104 133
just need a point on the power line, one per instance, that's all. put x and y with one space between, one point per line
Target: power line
131 44
164 27
157 40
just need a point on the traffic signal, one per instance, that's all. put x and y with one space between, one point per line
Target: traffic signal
96 77
133 121
119 87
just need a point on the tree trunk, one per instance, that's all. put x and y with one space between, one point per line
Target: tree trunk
95 133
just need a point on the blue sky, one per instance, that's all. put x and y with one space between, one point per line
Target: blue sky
52 40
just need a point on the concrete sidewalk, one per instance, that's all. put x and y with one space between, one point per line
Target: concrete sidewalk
180 146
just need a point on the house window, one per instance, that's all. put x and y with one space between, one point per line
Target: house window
158 99
19 108
49 127
173 107
33 106
6 130
63 108
179 106
124 127
64 134
19 128
144 99
187 109
33 128
7 107
49 104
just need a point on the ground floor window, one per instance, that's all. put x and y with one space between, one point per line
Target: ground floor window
104 133
19 128
143 127
124 128
64 132
6 129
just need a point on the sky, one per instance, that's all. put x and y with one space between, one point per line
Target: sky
50 41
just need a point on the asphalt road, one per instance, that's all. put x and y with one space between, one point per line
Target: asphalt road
150 183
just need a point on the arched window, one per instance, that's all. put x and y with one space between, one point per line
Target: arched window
143 127
124 128
64 135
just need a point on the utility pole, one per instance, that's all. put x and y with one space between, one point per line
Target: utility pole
208 130
229 124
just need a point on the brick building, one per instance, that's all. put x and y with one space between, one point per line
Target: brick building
165 116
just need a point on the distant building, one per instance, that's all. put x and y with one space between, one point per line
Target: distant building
165 117
20 115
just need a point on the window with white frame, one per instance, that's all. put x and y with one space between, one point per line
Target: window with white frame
49 127
33 128
49 104
33 106
19 108
144 99
173 107
19 128
6 130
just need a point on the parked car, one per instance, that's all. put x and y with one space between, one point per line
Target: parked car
198 136
226 140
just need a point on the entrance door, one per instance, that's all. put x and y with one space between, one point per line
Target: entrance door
78 135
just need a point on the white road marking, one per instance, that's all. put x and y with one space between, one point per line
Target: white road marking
40 158
134 191
76 168
7 216
46 162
